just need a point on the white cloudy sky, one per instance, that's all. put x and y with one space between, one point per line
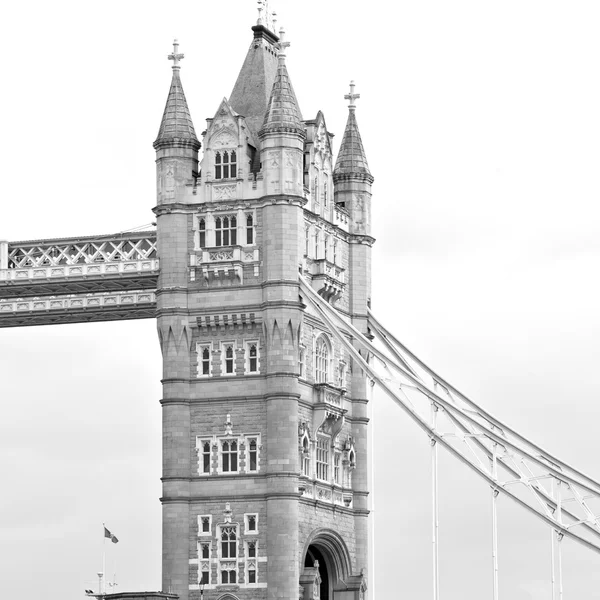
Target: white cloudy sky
481 125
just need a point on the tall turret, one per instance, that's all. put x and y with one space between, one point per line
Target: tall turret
176 165
176 144
351 176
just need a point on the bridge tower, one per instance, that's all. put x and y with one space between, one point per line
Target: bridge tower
265 457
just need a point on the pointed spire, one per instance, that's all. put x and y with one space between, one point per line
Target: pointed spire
176 127
283 114
352 161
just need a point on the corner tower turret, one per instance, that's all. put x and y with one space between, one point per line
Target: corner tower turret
176 144
351 176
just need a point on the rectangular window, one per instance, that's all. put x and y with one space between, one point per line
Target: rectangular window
322 458
252 449
204 551
226 231
229 456
228 541
202 233
204 578
249 230
228 576
203 360
301 365
204 524
251 561
251 523
252 357
204 456
228 356
336 468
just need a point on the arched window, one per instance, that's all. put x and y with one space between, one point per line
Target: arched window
202 232
316 244
205 361
229 359
322 360
249 230
218 167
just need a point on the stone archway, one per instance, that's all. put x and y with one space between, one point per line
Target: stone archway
326 564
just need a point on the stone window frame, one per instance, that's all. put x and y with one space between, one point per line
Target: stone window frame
200 348
248 437
223 349
227 233
323 463
229 439
204 562
317 370
251 561
302 361
247 520
202 533
247 361
201 451
225 162
337 467
209 233
229 560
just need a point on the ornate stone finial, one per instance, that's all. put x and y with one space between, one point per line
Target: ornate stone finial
175 56
260 9
227 513
274 21
283 44
228 426
352 96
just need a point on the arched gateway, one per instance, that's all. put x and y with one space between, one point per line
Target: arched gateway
265 414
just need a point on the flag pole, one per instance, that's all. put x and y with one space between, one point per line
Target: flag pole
103 590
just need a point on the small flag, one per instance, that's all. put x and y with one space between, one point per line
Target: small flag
111 536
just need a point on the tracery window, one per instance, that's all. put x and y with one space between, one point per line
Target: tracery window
226 231
322 360
225 164
322 458
229 456
228 541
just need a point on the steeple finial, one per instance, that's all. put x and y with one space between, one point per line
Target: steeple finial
283 44
176 56
352 97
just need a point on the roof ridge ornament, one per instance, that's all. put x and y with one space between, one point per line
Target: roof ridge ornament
176 56
352 96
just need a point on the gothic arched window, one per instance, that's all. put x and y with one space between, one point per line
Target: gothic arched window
322 360
229 456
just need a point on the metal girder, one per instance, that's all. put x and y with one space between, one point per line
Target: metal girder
504 459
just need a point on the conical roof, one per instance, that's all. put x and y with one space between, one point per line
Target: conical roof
283 113
351 160
176 126
252 89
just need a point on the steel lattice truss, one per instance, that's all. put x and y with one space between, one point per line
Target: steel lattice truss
553 491
105 249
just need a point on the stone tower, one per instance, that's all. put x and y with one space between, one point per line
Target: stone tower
264 415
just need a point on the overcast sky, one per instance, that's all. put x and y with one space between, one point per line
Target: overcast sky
481 125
